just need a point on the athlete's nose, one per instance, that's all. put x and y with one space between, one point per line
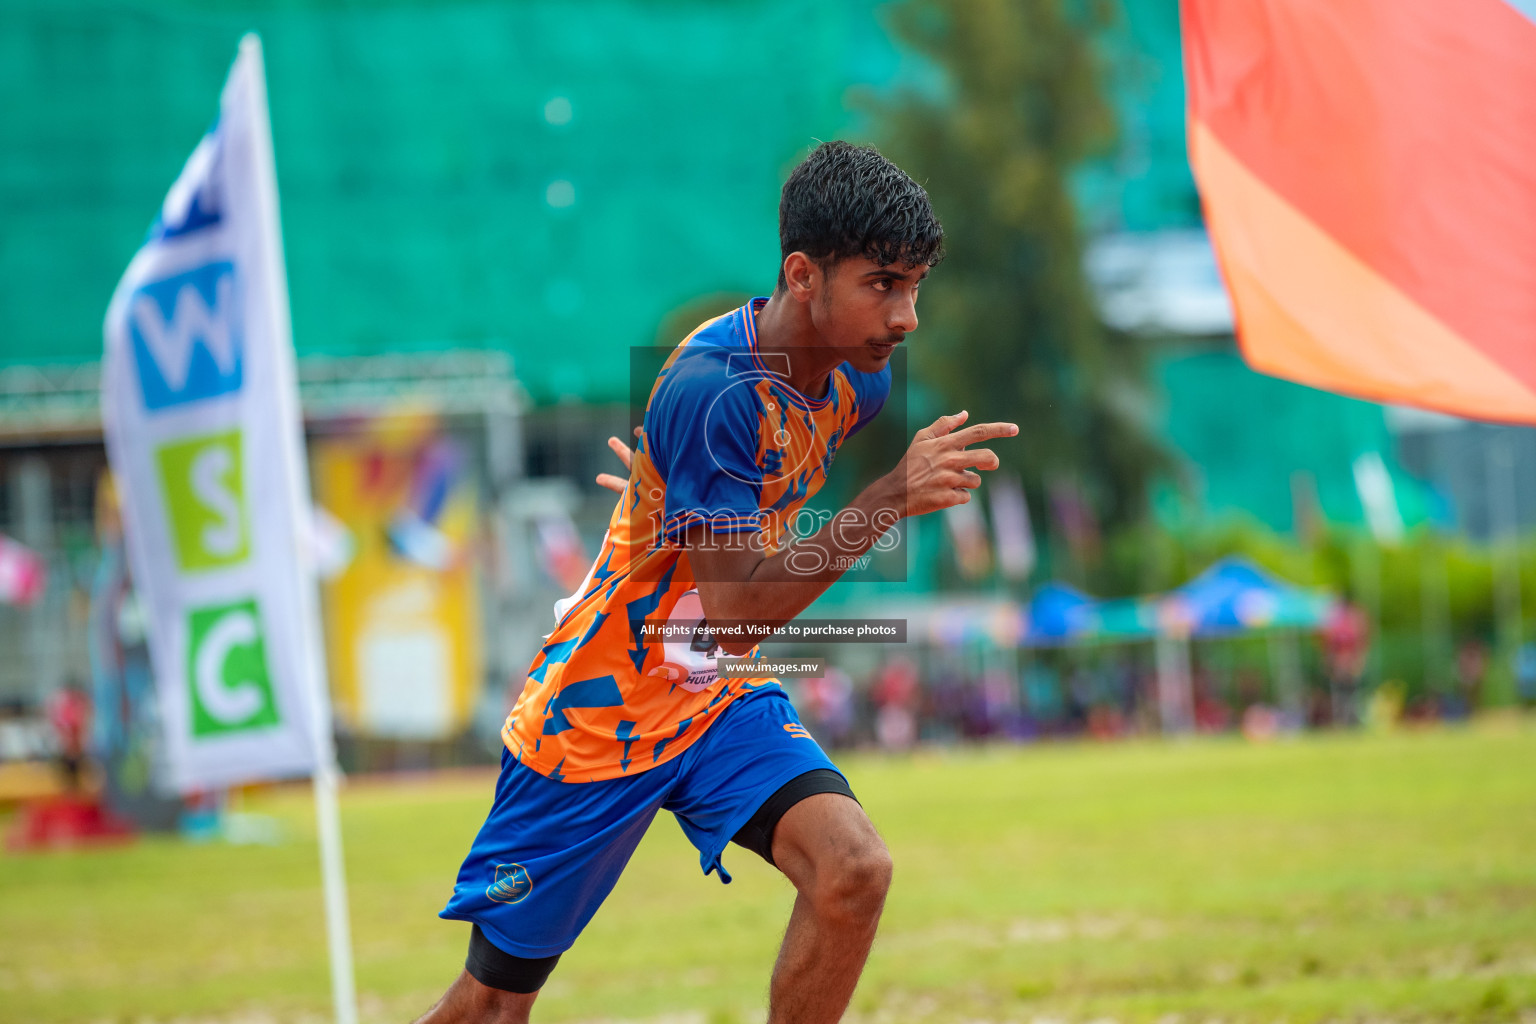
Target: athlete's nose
904 317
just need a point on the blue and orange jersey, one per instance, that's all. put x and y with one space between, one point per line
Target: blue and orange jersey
725 442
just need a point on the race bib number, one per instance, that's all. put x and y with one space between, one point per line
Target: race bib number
689 661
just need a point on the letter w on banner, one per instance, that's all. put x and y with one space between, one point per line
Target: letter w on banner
204 435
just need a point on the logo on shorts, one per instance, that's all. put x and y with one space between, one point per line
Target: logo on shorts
511 885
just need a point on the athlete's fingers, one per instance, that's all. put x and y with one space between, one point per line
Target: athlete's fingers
959 481
983 432
941 426
622 450
953 478
981 458
613 483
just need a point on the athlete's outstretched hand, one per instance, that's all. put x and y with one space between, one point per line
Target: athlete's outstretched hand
616 484
937 466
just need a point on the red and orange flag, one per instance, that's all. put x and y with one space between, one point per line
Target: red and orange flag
1368 169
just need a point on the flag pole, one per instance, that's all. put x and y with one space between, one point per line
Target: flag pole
338 927
326 775
1435 609
1503 533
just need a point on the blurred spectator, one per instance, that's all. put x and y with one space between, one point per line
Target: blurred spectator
1105 722
1105 719
895 695
1122 679
828 703
1319 711
1211 712
1385 708
1043 697
943 707
1260 722
1471 669
1346 645
69 712
1080 698
991 705
1106 693
1525 675
1144 696
1422 709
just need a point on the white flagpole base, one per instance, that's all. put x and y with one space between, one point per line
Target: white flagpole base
338 926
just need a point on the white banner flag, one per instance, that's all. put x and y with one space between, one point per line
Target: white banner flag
1378 498
1010 523
203 430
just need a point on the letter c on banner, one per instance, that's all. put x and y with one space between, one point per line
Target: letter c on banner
228 704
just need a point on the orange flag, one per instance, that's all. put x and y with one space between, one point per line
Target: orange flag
1368 169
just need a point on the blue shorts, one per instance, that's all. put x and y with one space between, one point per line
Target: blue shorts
551 852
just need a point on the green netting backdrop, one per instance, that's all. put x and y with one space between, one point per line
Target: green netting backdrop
1243 434
415 158
415 161
1145 184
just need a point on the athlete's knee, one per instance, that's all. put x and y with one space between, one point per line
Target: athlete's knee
851 890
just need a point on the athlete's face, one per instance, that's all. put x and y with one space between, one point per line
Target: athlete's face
866 310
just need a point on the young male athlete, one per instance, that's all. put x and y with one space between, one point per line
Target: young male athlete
616 723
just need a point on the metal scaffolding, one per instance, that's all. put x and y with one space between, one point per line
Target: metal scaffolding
51 453
47 404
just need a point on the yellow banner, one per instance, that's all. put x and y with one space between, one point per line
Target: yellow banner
402 619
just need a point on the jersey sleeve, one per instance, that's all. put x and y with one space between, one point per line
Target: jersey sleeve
870 391
703 428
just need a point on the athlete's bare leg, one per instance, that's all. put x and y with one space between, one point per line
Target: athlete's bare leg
828 848
469 1002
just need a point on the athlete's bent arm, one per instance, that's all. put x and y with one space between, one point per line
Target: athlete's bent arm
738 583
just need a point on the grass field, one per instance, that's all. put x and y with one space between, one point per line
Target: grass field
1341 878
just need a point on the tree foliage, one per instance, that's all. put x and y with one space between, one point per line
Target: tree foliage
1009 330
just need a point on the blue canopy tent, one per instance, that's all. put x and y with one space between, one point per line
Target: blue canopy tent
1232 597
1058 614
1235 596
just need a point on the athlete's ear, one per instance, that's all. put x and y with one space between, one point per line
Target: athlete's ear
801 276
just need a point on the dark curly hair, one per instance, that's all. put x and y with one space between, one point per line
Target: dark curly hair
845 201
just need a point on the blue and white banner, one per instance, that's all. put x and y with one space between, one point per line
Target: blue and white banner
203 430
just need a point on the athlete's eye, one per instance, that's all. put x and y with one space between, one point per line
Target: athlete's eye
882 284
